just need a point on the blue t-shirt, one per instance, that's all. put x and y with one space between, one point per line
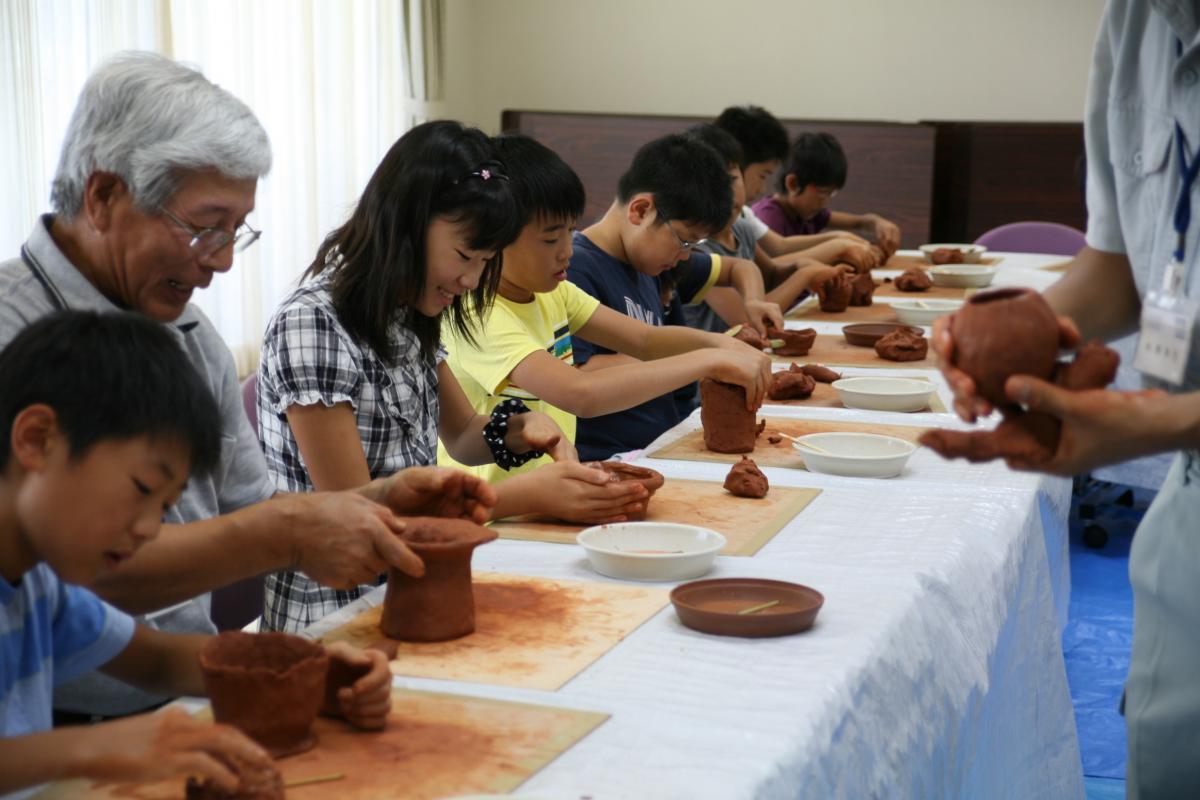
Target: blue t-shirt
50 633
634 294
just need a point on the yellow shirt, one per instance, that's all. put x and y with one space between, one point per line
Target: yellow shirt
504 338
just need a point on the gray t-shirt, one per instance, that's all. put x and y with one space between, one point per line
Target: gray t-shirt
701 315
240 480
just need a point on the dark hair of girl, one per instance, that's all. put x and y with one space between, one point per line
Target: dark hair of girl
437 169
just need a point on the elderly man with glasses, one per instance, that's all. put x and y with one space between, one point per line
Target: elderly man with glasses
157 176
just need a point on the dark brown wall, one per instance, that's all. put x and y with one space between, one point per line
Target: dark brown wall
891 165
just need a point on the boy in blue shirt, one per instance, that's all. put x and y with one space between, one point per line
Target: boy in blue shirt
638 259
104 419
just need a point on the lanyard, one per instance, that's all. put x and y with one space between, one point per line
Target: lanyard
1183 206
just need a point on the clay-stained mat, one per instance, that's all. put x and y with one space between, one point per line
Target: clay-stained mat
889 289
811 312
534 633
825 396
436 745
833 349
746 523
691 446
899 261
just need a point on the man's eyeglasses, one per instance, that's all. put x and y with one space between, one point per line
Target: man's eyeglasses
206 241
684 244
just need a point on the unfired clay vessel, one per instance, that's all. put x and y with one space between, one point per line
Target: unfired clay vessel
650 479
746 480
862 289
913 280
1001 333
902 344
268 685
789 385
834 292
441 604
795 343
729 427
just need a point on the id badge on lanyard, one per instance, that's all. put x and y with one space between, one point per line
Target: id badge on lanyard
1168 315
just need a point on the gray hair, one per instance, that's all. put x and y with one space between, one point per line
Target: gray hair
147 118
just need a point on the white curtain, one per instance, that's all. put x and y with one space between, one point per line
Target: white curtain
327 80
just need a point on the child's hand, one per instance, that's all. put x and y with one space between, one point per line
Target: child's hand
763 314
858 256
819 273
150 747
745 367
887 233
584 493
358 687
535 430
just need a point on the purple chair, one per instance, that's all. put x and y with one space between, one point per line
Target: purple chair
1034 237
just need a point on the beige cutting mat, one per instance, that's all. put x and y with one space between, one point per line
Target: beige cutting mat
746 523
535 633
691 446
876 312
436 745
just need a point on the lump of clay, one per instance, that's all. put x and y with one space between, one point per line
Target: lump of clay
268 685
818 373
750 336
254 783
729 427
834 292
788 385
746 480
795 343
913 280
902 344
946 255
441 604
862 289
1001 333
1029 438
648 478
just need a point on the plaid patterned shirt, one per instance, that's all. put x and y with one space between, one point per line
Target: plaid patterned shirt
308 358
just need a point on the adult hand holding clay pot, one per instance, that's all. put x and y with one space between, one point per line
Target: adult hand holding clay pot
434 492
358 687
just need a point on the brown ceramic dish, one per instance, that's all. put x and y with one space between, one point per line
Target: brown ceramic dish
712 606
268 685
866 334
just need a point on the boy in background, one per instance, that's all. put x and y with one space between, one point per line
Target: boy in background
104 419
638 260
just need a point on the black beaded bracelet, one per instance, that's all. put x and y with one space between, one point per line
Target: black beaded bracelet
495 431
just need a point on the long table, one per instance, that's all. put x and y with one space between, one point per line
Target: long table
935 668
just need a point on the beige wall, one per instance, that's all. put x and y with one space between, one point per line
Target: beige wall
1023 60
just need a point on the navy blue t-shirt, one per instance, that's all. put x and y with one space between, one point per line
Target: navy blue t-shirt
634 294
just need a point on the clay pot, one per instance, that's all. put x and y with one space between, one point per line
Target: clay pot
441 605
268 685
795 343
729 427
834 292
648 478
1001 333
746 480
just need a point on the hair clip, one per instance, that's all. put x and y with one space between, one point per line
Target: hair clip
484 174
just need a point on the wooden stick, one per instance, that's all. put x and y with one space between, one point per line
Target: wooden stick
759 607
803 443
336 776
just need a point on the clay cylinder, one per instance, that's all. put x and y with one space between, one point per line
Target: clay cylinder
729 427
1002 333
440 605
650 479
268 685
834 293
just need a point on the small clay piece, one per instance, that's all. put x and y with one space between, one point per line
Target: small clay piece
795 343
946 255
268 685
729 427
818 373
902 344
762 426
746 480
862 289
788 385
1001 333
1028 437
440 605
913 280
834 292
254 783
750 336
774 438
648 478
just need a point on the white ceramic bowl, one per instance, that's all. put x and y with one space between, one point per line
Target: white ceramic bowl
884 394
650 551
971 253
962 275
856 455
924 312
